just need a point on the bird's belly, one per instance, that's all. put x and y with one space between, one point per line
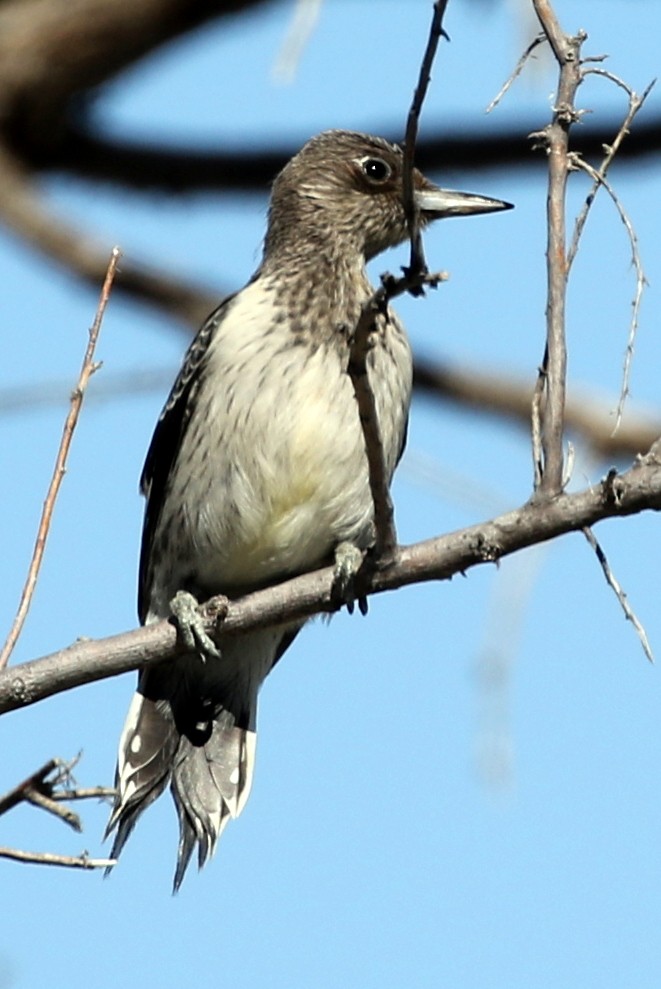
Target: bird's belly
296 486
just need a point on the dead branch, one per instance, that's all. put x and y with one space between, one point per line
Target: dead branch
518 69
86 152
48 788
616 587
87 370
619 495
556 141
413 279
82 861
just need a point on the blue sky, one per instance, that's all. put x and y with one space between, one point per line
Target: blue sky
463 788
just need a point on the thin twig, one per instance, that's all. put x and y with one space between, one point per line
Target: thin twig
613 583
635 103
17 794
376 309
85 793
567 53
87 370
518 69
641 282
46 802
47 858
417 262
599 179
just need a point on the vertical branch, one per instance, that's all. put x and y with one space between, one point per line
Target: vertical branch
417 264
567 53
415 277
87 370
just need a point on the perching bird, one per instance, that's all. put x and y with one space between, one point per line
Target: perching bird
257 469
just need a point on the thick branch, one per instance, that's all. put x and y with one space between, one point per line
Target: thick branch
84 151
637 490
22 209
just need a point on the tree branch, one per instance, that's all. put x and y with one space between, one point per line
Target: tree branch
556 139
87 370
618 495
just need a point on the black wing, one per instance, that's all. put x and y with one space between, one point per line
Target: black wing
166 441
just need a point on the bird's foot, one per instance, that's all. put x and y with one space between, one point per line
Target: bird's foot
348 563
190 626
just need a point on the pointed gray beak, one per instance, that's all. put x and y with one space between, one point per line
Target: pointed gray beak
436 203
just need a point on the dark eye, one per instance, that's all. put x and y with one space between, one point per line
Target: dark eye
376 169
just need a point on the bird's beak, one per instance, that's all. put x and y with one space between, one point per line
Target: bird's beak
435 203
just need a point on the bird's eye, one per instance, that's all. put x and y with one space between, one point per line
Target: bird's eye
376 169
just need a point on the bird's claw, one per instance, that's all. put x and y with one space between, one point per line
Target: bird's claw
348 562
185 610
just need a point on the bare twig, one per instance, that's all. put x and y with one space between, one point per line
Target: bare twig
599 179
417 262
413 280
87 370
50 786
17 794
567 53
611 149
85 793
619 495
641 282
613 583
518 69
361 343
46 802
47 858
41 790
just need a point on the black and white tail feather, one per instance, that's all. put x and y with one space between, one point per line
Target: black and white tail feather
189 738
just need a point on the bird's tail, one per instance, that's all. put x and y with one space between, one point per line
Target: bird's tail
209 764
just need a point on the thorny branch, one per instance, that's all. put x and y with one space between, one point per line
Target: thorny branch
87 370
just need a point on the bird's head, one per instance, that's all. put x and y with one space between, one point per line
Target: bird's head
347 186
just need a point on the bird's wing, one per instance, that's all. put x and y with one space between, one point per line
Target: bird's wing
166 441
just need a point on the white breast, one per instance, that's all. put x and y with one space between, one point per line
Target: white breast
287 476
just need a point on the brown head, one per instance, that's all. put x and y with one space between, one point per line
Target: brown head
344 189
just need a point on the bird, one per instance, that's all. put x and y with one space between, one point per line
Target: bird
257 470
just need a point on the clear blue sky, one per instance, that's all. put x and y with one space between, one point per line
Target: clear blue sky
463 789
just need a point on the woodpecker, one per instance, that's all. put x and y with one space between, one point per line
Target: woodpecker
257 469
